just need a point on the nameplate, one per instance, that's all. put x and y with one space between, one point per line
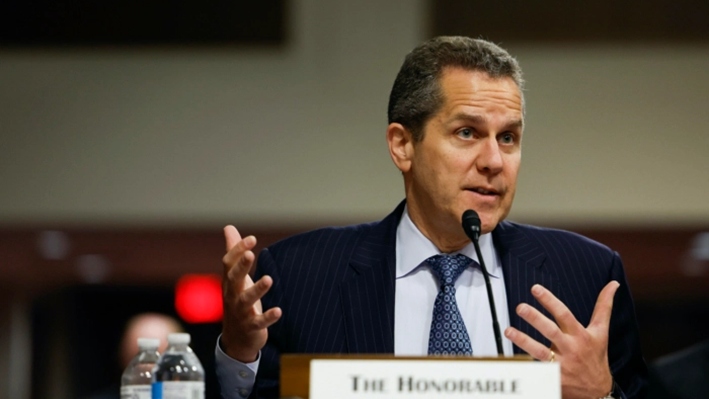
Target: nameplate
432 379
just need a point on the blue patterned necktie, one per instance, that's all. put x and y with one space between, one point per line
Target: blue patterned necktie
448 334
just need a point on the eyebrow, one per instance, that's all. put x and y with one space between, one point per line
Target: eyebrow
480 119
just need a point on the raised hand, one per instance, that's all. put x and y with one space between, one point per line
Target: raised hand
582 352
244 329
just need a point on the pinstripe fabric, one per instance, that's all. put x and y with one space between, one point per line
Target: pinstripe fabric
575 269
336 288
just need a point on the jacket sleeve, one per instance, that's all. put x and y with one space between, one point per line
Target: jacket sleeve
267 377
626 362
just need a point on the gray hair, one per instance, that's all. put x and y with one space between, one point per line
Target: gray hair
416 94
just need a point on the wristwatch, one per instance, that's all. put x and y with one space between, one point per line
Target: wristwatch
614 393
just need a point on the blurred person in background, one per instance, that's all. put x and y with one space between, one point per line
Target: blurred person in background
143 325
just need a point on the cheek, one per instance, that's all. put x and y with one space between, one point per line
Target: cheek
511 183
452 173
511 170
443 167
457 167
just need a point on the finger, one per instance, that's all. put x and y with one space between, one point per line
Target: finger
257 291
528 344
563 316
237 251
235 244
266 319
604 305
232 236
239 270
541 323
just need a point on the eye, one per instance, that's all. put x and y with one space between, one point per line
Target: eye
507 138
465 133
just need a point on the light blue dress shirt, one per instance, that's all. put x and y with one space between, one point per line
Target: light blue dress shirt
416 290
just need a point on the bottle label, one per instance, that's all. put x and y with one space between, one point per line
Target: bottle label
135 392
178 390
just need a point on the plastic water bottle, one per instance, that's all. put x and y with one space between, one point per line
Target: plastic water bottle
178 374
138 375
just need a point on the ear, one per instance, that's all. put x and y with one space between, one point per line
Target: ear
401 146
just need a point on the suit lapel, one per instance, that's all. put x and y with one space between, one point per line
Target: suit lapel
368 295
522 261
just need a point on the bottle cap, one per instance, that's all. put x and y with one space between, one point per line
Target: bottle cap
148 343
178 338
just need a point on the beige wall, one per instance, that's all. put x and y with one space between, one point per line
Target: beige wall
615 134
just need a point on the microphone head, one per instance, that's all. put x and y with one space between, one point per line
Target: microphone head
471 225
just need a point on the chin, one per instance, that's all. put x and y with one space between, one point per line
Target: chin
488 223
487 228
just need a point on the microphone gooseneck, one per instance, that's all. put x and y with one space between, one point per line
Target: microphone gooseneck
471 226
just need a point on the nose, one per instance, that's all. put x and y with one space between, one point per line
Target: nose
489 160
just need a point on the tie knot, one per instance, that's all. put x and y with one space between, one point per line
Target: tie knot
447 268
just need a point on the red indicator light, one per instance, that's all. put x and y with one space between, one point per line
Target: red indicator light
198 298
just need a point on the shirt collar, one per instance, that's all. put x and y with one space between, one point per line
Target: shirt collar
413 248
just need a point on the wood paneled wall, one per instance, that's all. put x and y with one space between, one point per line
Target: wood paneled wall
670 286
658 261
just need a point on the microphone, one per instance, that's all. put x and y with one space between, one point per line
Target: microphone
471 226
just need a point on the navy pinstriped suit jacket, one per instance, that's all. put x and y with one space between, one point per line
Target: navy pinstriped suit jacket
336 289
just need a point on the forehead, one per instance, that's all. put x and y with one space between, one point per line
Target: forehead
477 89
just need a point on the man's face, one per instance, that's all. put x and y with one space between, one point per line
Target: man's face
469 155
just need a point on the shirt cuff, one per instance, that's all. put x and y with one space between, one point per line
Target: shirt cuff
235 378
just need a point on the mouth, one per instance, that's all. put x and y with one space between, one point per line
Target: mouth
487 191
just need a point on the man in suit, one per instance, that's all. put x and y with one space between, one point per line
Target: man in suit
456 119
